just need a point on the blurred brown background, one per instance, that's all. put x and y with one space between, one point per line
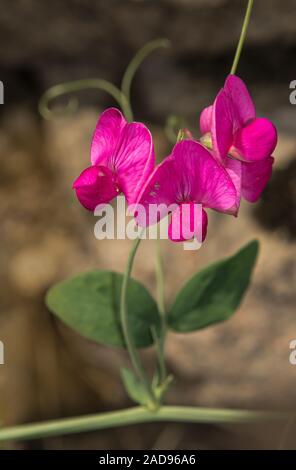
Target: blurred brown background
50 371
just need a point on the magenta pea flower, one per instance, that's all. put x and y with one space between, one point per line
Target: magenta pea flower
122 158
189 176
240 141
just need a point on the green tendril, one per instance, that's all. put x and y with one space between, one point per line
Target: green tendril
72 105
137 61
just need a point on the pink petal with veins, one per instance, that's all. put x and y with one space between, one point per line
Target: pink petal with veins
189 174
255 176
256 141
238 93
201 178
134 160
126 149
159 191
222 126
94 186
107 136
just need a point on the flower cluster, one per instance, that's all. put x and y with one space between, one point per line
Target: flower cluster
232 160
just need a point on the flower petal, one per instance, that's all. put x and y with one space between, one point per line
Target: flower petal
126 149
244 109
256 141
134 160
160 191
205 120
199 177
188 220
189 174
234 170
95 186
106 137
255 177
222 126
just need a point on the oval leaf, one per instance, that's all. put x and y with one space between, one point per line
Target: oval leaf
213 294
89 303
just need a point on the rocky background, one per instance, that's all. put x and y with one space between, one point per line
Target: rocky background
50 371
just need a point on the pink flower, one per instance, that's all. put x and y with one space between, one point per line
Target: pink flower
122 158
240 141
189 176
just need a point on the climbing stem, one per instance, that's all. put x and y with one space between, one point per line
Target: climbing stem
159 279
135 415
242 36
160 341
129 340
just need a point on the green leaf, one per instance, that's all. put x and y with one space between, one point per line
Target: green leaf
134 388
213 294
89 303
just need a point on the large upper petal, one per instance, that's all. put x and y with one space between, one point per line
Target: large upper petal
244 109
134 160
222 126
201 178
107 136
256 141
126 149
94 186
255 177
190 173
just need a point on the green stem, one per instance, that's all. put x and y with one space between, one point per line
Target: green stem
136 62
242 37
78 85
162 371
162 311
160 280
132 350
135 415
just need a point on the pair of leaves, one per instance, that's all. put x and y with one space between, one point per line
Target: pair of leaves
89 303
